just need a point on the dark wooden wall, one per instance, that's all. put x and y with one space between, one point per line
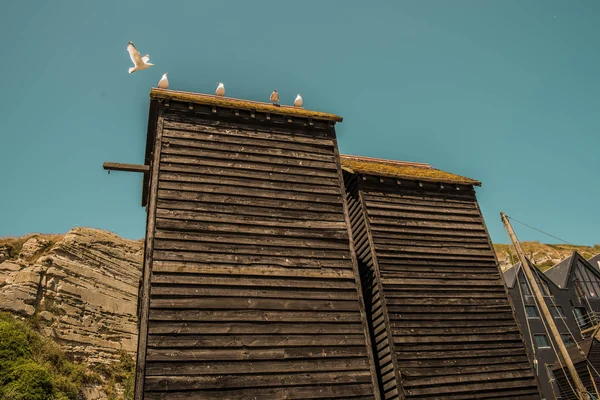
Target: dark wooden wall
453 332
254 289
381 337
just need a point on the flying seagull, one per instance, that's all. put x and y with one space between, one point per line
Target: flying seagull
164 82
220 90
274 98
298 101
139 62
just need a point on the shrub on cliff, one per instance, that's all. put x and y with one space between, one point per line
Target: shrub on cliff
33 367
119 374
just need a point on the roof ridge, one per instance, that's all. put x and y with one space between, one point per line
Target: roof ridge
401 170
208 95
385 161
242 104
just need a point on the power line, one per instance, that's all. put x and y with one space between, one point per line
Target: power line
539 230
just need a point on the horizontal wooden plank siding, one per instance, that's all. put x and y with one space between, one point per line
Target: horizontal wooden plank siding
454 334
382 340
253 290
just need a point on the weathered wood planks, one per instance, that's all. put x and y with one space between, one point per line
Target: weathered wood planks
439 311
253 289
377 313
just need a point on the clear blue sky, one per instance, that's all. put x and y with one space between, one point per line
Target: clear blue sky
506 91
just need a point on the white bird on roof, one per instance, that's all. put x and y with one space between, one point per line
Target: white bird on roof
220 90
298 101
139 62
164 82
274 97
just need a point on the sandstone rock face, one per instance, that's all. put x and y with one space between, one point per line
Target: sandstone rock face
81 287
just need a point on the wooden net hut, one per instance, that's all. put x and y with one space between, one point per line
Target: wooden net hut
441 322
250 283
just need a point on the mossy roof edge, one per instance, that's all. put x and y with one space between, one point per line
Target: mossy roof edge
229 102
401 170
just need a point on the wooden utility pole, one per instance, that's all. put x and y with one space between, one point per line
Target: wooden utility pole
581 390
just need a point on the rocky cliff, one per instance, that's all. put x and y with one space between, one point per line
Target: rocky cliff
80 287
543 256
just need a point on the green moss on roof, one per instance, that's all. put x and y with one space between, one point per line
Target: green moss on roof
401 170
228 102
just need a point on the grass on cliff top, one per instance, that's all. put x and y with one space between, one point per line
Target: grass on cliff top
33 367
556 251
15 244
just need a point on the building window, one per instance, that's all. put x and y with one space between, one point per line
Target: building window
531 312
567 339
579 312
581 317
588 282
557 312
541 341
525 287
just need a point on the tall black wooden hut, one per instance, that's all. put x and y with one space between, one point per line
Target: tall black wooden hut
250 284
441 321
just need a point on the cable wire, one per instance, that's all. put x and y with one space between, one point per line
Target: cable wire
539 230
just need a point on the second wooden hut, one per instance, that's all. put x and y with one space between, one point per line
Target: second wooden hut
441 321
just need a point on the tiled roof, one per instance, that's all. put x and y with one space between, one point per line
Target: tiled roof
510 275
559 274
228 102
401 169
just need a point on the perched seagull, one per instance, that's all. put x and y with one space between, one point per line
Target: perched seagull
274 98
298 101
139 62
220 90
164 82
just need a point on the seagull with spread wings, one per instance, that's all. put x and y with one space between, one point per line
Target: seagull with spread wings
139 62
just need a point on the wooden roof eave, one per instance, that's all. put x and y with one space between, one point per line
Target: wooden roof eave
229 102
348 169
414 178
413 171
